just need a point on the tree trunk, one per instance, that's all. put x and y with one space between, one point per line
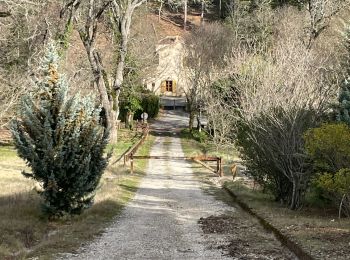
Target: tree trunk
295 200
199 123
185 14
95 64
129 120
125 23
160 10
113 131
191 121
202 12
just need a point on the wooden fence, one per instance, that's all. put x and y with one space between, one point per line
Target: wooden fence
133 149
129 155
198 159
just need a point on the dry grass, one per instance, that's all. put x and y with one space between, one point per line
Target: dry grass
245 237
25 232
318 231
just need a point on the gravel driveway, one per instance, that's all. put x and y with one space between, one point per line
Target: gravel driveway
161 222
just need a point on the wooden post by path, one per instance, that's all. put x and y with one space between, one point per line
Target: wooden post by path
221 173
131 163
218 166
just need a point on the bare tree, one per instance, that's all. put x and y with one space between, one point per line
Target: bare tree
282 94
122 15
221 103
24 29
88 35
203 65
122 12
320 13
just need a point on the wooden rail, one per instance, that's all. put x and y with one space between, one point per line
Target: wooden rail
137 145
163 157
198 159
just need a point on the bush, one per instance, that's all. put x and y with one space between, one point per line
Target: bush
329 147
337 187
200 137
146 102
61 139
150 104
271 144
259 164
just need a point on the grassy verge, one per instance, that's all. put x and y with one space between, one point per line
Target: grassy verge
245 238
317 231
25 233
192 147
127 139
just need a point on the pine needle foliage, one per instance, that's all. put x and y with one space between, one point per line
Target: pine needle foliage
62 141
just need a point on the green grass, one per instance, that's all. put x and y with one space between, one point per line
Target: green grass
192 147
25 232
7 152
145 149
127 138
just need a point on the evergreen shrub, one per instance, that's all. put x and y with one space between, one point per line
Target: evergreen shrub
150 104
62 141
328 147
336 187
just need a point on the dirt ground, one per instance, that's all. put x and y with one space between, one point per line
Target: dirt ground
245 238
174 217
317 231
161 221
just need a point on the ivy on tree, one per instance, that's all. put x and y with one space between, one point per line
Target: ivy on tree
62 141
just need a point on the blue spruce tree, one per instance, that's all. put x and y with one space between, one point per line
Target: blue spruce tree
344 102
62 141
343 114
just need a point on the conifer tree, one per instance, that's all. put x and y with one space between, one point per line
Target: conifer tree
343 113
61 140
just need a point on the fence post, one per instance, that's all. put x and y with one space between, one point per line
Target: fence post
217 166
221 170
131 163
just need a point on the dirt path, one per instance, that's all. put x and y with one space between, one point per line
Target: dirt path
161 222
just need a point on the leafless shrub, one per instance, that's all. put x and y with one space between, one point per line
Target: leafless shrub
283 92
204 63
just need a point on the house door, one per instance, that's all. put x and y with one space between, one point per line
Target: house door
169 85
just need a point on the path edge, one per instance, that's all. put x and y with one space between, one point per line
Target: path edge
285 240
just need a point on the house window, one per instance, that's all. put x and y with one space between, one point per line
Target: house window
169 85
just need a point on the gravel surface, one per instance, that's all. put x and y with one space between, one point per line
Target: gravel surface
161 222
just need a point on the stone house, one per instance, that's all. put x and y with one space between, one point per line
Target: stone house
168 78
